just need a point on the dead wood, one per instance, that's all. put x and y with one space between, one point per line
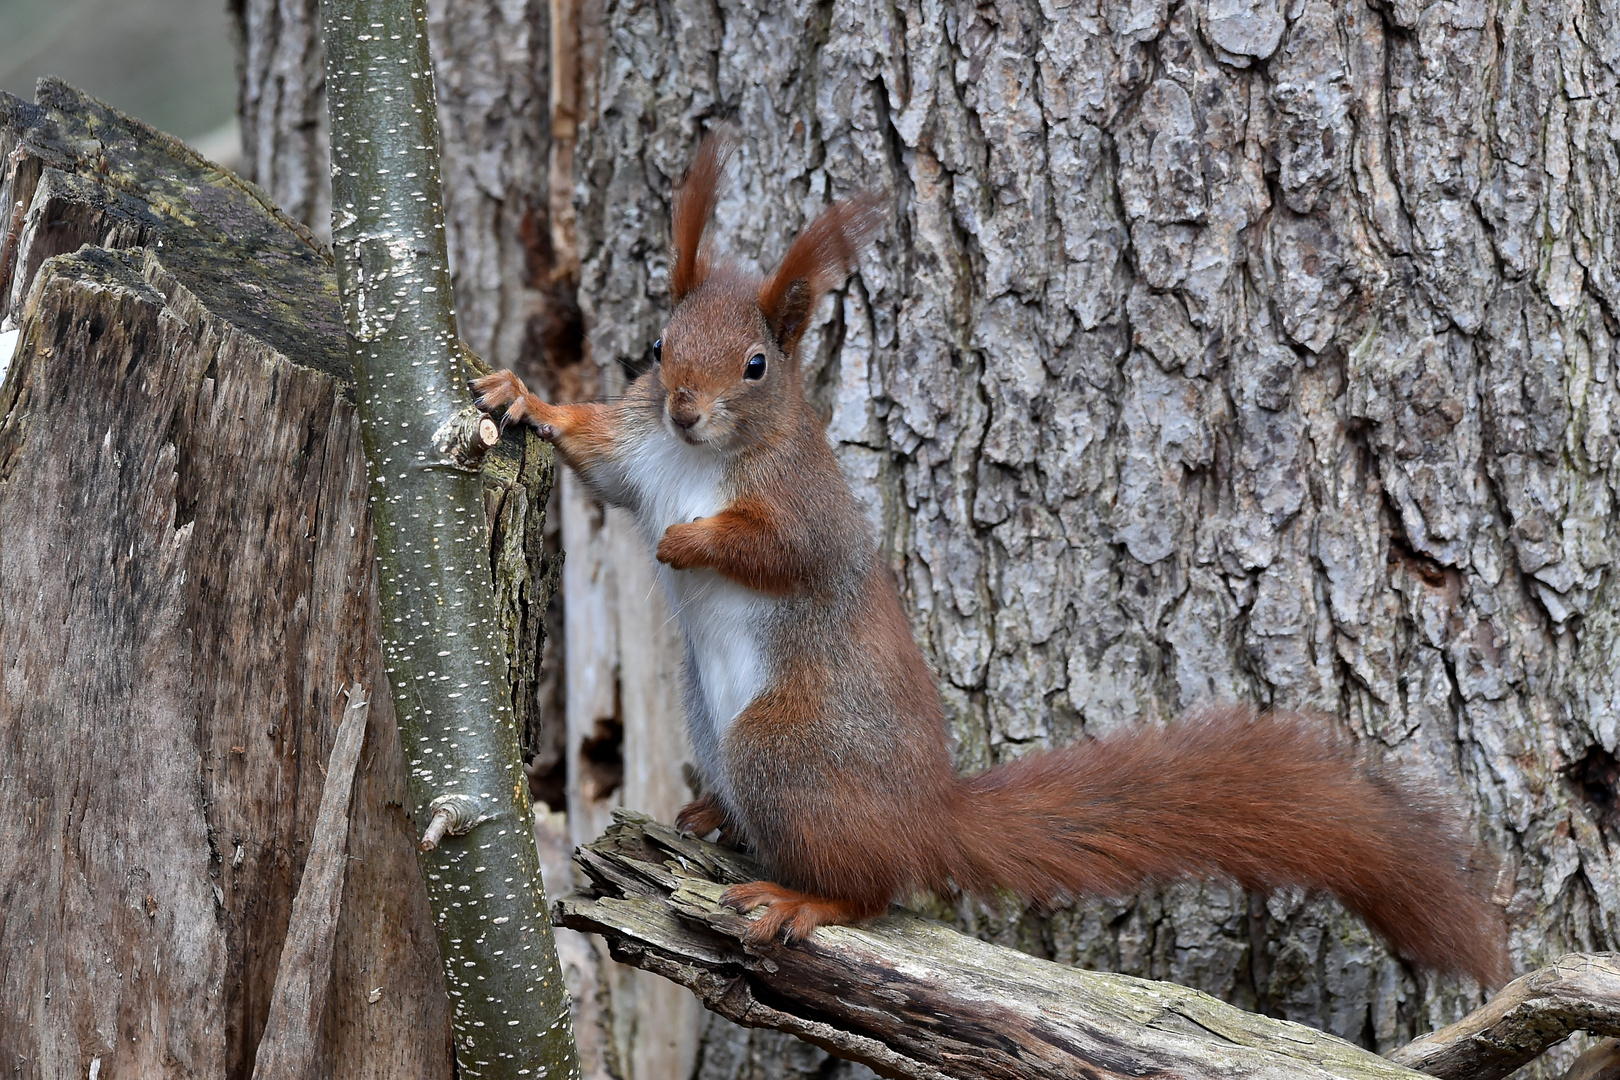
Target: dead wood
187 582
1579 992
292 1035
911 997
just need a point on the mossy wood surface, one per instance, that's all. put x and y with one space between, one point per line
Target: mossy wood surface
186 584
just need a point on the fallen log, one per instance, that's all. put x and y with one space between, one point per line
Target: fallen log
911 997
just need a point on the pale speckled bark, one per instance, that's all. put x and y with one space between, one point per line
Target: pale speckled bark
1217 350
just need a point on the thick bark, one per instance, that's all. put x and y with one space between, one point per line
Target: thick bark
1215 351
281 106
189 582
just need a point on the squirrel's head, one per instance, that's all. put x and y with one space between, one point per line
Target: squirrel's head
727 360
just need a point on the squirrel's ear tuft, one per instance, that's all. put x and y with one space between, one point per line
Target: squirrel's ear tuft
824 253
694 205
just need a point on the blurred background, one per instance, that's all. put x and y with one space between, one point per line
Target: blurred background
170 62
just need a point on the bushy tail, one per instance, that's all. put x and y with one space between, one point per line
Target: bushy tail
1268 801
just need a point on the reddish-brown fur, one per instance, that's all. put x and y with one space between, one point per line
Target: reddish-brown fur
837 772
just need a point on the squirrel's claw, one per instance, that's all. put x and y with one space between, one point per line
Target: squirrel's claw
502 388
702 817
787 909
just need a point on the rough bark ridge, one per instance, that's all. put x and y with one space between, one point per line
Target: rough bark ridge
281 104
1216 351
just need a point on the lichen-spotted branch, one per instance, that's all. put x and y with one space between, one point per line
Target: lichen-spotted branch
445 661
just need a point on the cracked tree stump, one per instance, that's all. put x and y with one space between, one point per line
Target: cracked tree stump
186 585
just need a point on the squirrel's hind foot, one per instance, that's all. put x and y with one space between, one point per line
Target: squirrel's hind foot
798 912
701 817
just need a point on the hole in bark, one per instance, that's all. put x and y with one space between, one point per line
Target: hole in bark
1426 569
548 780
554 344
601 758
187 485
1595 777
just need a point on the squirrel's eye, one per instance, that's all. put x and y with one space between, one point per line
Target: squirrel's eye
658 351
756 367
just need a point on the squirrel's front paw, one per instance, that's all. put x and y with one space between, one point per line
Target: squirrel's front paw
502 388
496 389
683 545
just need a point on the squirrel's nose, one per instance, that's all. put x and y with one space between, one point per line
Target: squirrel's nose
683 409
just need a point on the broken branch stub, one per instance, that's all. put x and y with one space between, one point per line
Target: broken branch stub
1578 992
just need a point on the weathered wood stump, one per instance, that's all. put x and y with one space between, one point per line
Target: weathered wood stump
186 585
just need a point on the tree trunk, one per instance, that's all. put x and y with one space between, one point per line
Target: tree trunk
1215 351
188 583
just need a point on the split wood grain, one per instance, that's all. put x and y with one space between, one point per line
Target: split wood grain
290 1048
913 998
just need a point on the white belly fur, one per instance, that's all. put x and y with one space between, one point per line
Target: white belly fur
724 622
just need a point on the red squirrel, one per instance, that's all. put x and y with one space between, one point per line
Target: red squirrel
816 721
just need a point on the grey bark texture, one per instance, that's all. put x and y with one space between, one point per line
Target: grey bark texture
1215 351
189 582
